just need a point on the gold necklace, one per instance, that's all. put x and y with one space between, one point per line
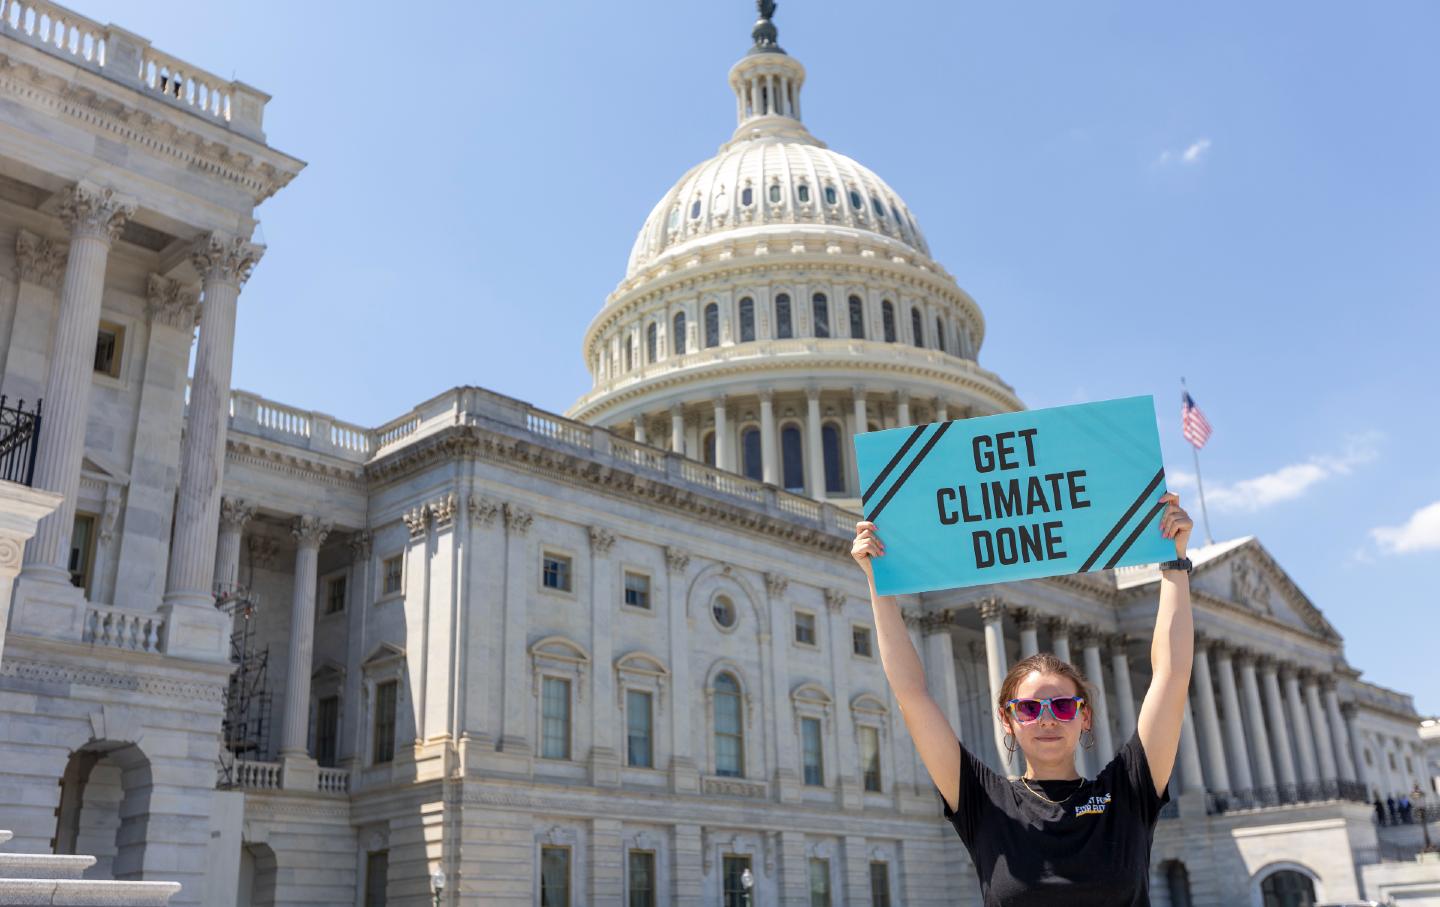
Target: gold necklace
1026 781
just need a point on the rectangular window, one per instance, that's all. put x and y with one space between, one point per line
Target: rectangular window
557 572
733 890
82 550
109 344
637 729
637 589
860 641
392 569
804 628
335 595
642 878
385 697
857 318
327 730
554 877
870 756
556 719
377 877
879 883
814 758
819 882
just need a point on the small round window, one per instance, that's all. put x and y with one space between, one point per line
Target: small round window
724 611
856 201
803 193
775 193
831 197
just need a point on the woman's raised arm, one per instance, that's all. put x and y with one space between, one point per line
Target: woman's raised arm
935 739
1172 652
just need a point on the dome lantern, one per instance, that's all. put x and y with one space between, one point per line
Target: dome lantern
767 84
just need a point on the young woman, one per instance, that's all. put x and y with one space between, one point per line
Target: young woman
1052 836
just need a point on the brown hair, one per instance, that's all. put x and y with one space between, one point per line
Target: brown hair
1045 663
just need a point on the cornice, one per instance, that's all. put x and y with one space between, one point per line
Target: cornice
249 450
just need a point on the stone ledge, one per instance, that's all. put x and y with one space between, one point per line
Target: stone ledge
36 866
78 893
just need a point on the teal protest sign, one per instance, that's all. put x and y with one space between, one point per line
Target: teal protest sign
1014 496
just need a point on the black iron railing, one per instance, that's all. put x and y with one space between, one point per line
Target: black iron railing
19 431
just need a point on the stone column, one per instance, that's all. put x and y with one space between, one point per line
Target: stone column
1322 736
234 514
224 263
516 741
769 463
1060 647
939 657
1234 725
1124 694
1218 774
1029 632
1259 734
684 773
640 429
815 474
1363 775
1192 777
722 434
606 752
1100 716
1340 732
992 612
862 425
95 217
1275 709
942 411
309 532
902 403
677 429
1304 737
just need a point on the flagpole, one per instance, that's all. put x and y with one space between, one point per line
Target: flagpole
1200 486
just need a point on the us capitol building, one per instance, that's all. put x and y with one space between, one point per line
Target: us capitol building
488 654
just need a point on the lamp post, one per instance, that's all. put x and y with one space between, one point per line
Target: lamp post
437 884
747 882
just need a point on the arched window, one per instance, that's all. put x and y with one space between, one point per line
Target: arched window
831 196
1288 888
651 332
747 196
879 208
712 325
917 327
820 308
752 466
783 327
1177 882
940 333
857 318
775 193
856 201
747 319
792 459
709 448
729 731
629 353
834 466
802 192
674 220
677 343
887 313
695 209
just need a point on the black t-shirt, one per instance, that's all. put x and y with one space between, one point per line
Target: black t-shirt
1093 849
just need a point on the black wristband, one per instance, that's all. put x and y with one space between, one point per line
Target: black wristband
1180 564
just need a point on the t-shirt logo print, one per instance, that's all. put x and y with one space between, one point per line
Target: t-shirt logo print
1094 807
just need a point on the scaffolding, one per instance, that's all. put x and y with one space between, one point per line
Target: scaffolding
245 730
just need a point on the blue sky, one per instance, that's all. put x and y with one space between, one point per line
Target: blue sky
1243 194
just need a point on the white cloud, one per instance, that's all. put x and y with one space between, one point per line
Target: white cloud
1284 484
1189 155
1420 533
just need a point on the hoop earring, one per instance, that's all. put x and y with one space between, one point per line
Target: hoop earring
1008 741
1087 741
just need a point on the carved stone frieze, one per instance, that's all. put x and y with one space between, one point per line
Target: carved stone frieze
171 302
517 518
40 260
601 540
676 559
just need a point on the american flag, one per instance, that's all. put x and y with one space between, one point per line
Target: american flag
1193 424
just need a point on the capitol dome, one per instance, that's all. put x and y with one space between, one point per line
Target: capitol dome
779 299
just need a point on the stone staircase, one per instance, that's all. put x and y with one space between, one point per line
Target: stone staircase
54 880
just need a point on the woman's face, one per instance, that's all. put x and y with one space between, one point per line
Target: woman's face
1046 740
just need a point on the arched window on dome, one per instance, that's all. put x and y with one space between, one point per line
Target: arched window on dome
820 309
677 342
792 459
729 730
831 196
752 463
857 318
856 201
629 354
783 327
747 196
917 327
708 448
879 208
834 465
652 332
674 221
887 315
775 194
695 209
940 333
802 192
747 319
712 325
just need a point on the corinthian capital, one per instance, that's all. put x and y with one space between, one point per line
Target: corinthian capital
39 260
95 212
226 258
310 530
171 302
991 609
235 513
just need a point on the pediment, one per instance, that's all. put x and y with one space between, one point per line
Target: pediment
93 466
383 654
1249 577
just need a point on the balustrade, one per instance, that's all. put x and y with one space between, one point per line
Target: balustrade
134 631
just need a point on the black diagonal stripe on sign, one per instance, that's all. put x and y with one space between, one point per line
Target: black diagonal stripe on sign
1114 530
1134 534
899 454
908 469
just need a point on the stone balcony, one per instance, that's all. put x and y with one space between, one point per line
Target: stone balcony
251 775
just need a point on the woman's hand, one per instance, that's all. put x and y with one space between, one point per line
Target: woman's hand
867 545
1174 523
